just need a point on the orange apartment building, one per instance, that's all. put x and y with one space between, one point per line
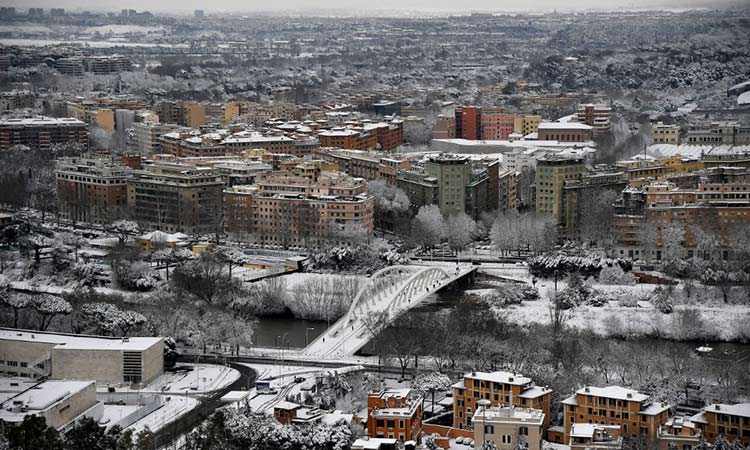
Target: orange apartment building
395 413
497 125
91 190
565 132
730 421
636 414
348 138
388 135
500 388
300 207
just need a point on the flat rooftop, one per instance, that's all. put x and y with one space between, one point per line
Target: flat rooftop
79 342
39 397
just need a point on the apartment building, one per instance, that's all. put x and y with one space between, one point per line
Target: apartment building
636 414
509 427
508 190
421 189
665 134
145 137
101 65
42 132
100 112
298 207
551 174
35 354
525 124
718 133
444 127
581 193
91 190
718 198
187 114
468 122
16 100
501 389
348 138
594 115
396 414
298 146
173 197
388 135
363 164
730 421
565 132
453 173
496 125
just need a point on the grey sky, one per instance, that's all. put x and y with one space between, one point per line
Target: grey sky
368 5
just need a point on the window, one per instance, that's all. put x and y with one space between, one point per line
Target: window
523 431
507 439
489 429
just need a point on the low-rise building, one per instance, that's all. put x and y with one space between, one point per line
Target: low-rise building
718 133
395 413
595 116
590 436
60 403
565 131
34 354
680 433
509 427
349 138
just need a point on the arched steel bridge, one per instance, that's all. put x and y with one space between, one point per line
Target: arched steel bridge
390 292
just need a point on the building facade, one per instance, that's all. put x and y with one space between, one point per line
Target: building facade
91 190
501 389
730 421
173 197
565 132
42 132
551 174
396 414
509 427
595 116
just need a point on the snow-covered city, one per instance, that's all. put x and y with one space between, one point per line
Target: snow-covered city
412 225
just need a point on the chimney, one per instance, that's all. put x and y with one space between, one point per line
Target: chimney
586 389
718 407
630 395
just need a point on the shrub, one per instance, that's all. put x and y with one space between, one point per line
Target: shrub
662 300
135 276
615 275
544 266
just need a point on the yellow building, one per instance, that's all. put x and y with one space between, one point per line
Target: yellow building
526 124
509 427
231 111
665 134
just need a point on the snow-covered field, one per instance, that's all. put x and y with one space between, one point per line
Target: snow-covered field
121 29
176 406
718 316
203 378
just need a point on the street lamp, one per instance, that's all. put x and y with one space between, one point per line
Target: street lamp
484 403
306 330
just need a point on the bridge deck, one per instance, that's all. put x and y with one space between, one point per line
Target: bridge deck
389 293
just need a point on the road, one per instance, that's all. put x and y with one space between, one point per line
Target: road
209 402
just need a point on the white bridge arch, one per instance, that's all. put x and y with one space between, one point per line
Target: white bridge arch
391 290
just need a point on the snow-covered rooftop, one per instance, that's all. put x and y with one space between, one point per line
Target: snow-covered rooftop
499 377
79 342
586 430
563 126
615 392
740 409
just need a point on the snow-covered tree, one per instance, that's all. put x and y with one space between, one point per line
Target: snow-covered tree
16 301
428 226
461 230
48 307
430 383
233 257
123 229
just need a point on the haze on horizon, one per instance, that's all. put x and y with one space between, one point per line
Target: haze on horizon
362 6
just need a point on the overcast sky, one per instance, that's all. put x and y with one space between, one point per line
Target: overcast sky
367 5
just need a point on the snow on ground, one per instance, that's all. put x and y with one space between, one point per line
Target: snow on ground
744 98
22 29
174 407
115 413
295 280
121 29
203 378
716 314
